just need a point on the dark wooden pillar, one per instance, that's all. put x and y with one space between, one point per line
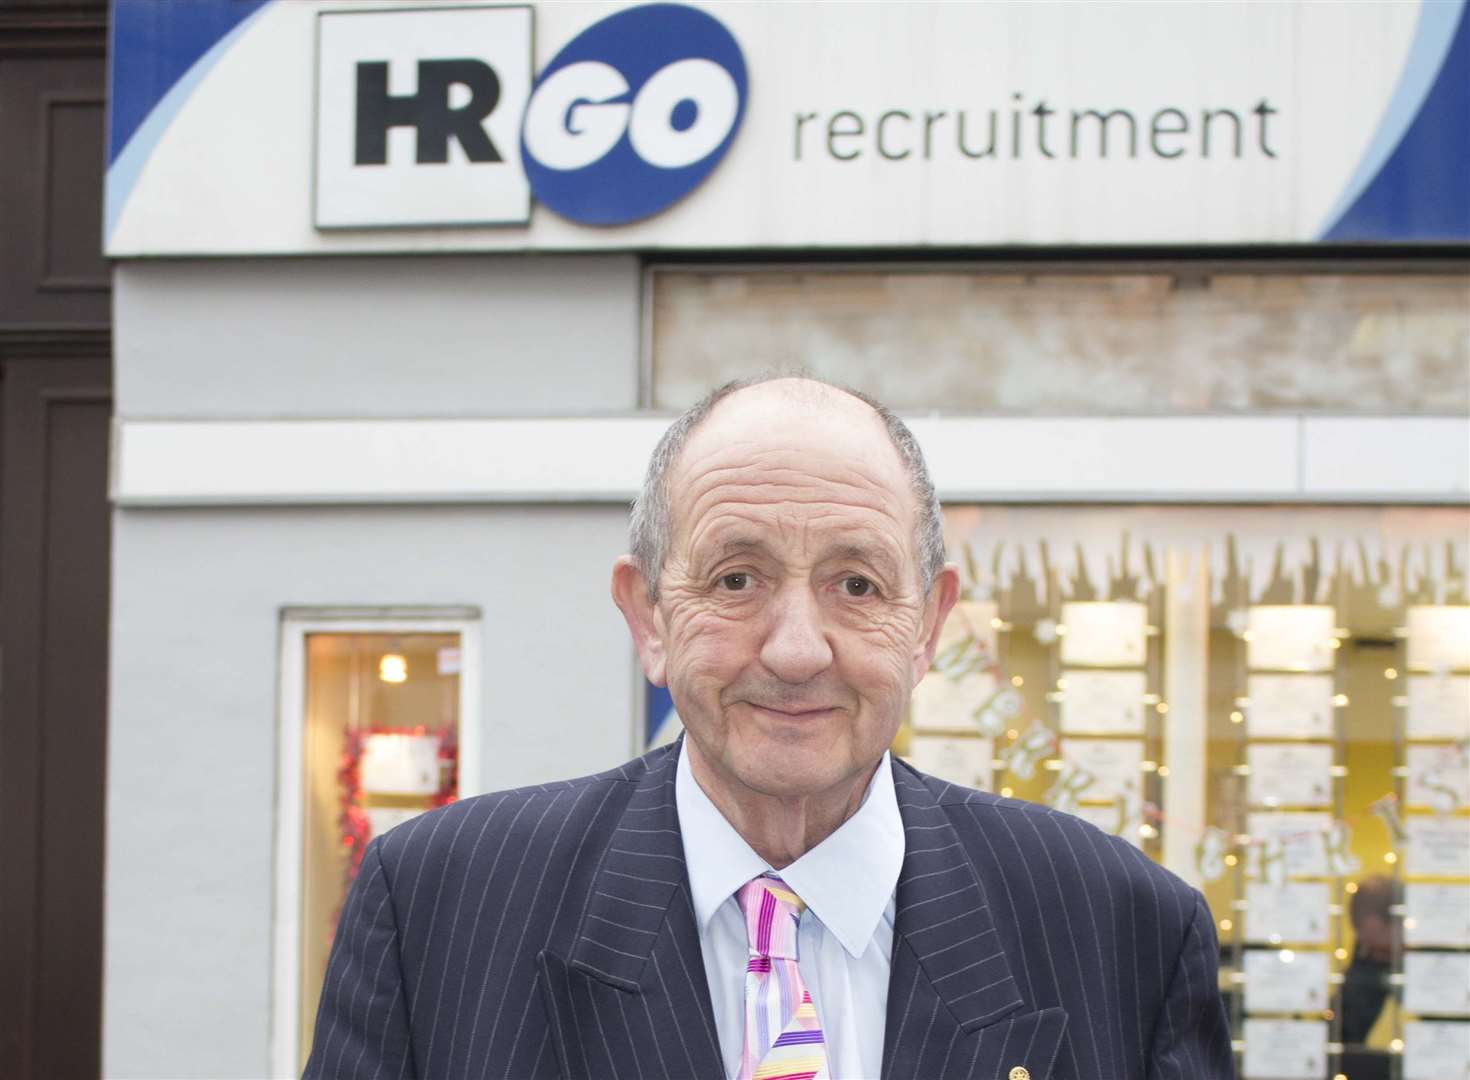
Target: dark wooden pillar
55 416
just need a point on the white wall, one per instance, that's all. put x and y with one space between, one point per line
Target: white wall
471 335
192 747
198 593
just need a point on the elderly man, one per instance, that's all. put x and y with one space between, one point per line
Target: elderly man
773 896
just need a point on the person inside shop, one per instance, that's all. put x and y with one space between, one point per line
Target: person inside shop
774 894
1365 983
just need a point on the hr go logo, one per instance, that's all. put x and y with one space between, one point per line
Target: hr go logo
418 116
633 114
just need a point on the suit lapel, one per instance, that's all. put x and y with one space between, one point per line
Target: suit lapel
631 998
950 987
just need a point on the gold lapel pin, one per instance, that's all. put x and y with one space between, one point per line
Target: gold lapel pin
1020 1072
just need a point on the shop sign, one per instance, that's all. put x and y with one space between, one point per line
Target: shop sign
428 116
325 126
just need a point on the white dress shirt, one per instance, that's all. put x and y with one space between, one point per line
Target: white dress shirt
845 939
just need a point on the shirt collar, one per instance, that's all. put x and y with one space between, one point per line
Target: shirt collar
846 880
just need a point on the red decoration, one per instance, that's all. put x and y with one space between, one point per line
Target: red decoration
352 818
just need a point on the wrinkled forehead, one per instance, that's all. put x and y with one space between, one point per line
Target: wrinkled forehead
823 460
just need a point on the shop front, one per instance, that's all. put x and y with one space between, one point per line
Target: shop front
404 296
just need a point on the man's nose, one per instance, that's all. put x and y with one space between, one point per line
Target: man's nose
796 647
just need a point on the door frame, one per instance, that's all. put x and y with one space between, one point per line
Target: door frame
295 625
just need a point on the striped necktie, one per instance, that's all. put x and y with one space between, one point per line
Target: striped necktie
783 1037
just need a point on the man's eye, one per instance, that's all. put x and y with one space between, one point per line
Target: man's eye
735 582
857 586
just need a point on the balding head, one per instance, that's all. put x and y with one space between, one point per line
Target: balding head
771 397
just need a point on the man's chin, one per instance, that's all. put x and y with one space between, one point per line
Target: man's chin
788 771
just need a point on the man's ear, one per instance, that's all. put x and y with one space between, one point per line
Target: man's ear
942 596
630 593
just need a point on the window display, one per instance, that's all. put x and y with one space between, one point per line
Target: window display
1285 1049
1436 1050
1303 757
1285 981
1433 789
1436 915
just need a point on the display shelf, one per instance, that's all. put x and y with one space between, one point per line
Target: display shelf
1431 829
1290 763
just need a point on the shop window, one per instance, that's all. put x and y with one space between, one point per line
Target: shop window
378 709
1275 703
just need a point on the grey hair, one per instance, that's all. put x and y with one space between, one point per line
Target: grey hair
651 527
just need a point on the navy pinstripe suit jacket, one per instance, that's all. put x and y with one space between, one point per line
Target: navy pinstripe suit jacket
548 932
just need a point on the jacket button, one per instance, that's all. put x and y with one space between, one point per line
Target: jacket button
1020 1072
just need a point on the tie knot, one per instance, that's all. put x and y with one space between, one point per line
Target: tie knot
772 913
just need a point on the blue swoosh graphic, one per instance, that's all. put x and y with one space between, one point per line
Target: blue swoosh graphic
127 165
1404 187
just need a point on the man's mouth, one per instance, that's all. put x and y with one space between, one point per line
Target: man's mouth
795 712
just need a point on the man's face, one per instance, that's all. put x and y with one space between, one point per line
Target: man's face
1375 937
790 619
